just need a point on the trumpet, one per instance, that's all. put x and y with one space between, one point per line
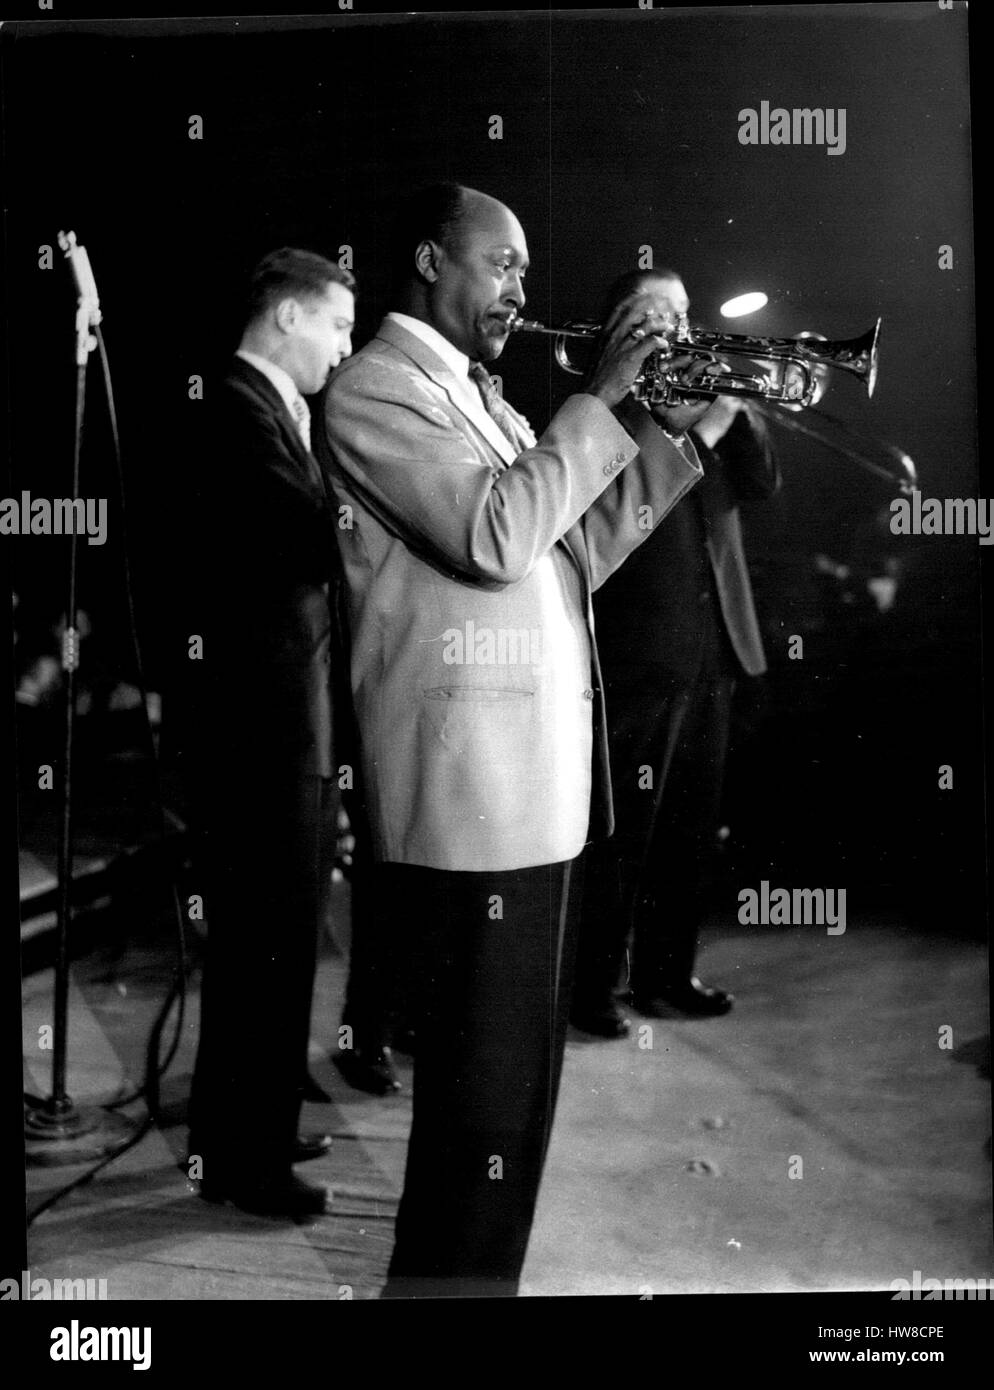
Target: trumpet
794 381
788 370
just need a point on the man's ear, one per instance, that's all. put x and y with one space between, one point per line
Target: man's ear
287 315
426 260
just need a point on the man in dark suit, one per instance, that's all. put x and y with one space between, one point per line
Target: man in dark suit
263 769
469 567
676 627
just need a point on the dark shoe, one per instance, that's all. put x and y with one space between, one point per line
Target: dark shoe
370 1070
288 1197
607 1021
690 997
307 1146
314 1092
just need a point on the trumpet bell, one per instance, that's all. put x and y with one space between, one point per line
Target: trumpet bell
857 355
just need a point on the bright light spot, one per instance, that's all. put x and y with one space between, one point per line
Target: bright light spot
743 304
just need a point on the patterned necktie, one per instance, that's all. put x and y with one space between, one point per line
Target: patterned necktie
303 418
492 402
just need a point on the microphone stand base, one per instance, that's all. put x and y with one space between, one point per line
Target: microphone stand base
74 1134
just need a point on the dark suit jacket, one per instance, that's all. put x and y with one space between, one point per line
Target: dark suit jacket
269 542
652 611
262 571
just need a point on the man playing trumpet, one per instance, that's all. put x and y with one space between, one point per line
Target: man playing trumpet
478 776
676 628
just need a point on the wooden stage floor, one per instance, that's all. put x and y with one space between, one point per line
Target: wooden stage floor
673 1165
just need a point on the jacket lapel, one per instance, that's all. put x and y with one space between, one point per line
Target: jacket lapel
438 372
264 389
433 367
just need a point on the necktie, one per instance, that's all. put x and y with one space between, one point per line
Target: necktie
492 402
303 418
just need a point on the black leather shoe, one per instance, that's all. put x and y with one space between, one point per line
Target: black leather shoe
607 1021
314 1092
287 1197
307 1146
689 997
368 1070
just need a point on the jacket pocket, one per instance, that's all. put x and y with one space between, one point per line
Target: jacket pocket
477 692
480 721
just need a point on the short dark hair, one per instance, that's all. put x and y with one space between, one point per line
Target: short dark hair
291 273
431 214
629 282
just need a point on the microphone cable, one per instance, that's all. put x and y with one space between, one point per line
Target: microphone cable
155 1068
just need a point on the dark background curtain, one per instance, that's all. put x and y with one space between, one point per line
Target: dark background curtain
620 130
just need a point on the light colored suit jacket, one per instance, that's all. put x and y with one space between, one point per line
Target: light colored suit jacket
469 565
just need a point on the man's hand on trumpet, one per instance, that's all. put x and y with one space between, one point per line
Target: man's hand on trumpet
718 417
684 415
633 330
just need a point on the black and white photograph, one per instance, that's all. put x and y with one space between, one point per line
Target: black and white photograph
496 529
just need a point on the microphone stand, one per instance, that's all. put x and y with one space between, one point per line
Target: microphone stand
59 1131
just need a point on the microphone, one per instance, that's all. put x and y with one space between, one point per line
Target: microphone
88 313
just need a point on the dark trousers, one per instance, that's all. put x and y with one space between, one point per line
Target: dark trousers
668 739
267 862
489 958
376 992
